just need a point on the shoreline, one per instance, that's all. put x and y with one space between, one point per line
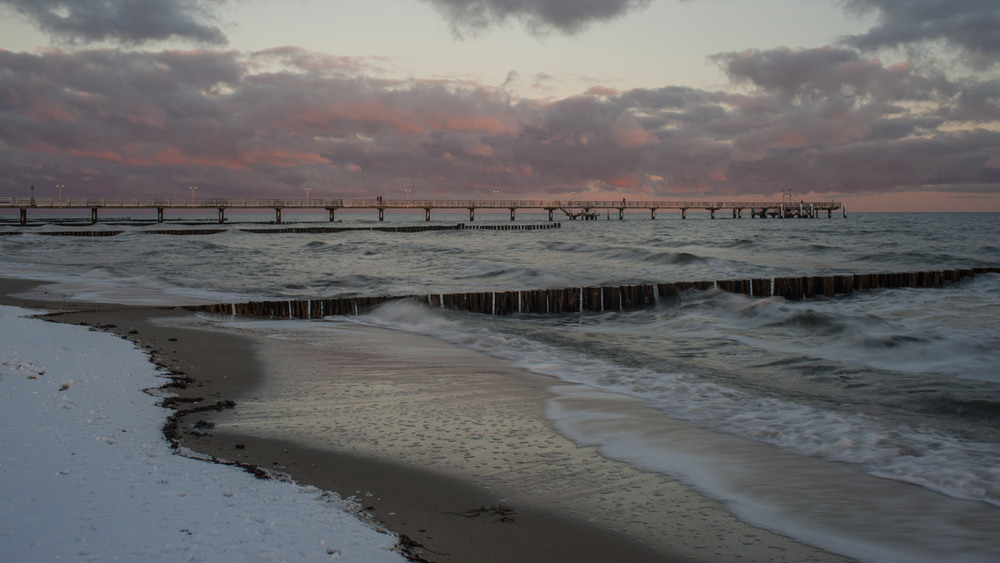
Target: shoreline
452 519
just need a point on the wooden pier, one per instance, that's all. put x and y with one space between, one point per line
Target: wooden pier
572 209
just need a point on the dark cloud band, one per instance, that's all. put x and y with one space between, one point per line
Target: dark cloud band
971 25
123 21
539 16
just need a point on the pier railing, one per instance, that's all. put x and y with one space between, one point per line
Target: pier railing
270 203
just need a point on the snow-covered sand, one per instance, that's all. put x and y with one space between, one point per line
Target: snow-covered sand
86 475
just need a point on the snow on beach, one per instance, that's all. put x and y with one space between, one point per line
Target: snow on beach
85 473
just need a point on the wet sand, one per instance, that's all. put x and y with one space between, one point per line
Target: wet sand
447 447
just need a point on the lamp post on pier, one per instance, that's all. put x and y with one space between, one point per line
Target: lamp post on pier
60 186
307 196
407 190
192 188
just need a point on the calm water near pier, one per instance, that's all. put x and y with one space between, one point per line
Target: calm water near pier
868 424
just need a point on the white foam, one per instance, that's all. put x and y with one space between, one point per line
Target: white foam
834 506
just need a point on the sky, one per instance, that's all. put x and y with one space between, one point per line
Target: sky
887 105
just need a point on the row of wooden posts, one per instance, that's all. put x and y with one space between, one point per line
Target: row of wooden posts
300 230
596 299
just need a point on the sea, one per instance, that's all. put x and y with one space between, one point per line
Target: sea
866 423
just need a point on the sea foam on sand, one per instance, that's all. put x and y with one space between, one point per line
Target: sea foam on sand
85 472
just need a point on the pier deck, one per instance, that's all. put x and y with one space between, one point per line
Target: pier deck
572 208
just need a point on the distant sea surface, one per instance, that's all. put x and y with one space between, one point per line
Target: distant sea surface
868 423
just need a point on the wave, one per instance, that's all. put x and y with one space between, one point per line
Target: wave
957 467
979 411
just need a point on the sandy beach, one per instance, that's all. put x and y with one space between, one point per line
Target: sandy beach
448 448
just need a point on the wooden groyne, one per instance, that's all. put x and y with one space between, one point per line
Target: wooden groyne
300 230
404 228
597 298
512 227
79 233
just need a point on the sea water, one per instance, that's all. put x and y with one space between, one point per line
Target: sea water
867 423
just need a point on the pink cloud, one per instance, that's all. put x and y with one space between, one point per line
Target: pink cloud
825 118
46 111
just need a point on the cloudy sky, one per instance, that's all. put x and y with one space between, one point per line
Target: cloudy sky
883 104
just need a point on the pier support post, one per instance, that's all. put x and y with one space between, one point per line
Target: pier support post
332 210
621 213
550 215
511 213
712 211
472 214
427 214
277 215
24 216
684 213
734 213
222 215
652 213
93 215
159 214
381 214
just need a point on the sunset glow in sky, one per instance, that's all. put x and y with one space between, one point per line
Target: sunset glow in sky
883 104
